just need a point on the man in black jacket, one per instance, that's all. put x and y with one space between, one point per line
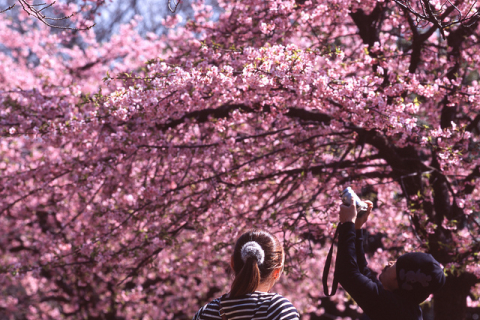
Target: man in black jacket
401 286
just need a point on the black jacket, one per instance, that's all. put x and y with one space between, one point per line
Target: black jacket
361 283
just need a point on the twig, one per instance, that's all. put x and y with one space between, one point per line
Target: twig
429 14
177 3
36 11
9 8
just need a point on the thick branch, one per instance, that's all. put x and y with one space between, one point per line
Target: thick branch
474 125
223 111
204 115
369 25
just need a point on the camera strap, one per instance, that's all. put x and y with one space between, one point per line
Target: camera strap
326 269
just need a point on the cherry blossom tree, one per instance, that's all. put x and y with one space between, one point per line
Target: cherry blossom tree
129 168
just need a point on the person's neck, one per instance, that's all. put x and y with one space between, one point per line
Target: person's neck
264 286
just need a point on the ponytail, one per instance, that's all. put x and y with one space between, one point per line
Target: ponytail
256 255
247 280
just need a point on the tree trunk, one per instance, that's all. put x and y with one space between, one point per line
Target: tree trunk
450 303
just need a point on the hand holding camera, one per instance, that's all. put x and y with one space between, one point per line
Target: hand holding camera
354 209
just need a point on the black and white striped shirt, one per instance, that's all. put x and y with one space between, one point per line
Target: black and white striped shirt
252 306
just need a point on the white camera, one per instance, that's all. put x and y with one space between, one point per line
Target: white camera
348 195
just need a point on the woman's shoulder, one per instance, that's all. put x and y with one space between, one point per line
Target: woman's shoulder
209 311
274 305
258 296
281 308
277 298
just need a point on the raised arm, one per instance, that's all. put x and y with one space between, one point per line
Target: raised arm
360 232
368 293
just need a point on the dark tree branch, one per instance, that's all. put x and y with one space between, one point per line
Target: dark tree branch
9 8
202 116
173 8
36 10
429 15
473 126
369 25
134 271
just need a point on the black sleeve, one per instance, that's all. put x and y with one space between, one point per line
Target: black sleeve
361 260
368 293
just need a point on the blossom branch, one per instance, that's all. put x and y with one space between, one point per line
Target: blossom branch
135 270
36 10
9 8
429 14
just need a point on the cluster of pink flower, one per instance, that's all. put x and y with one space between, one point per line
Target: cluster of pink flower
126 200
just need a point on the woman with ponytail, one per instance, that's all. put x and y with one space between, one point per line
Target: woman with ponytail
257 262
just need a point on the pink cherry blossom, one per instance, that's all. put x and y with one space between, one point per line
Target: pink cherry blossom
129 167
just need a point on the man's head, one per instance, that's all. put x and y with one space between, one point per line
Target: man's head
416 275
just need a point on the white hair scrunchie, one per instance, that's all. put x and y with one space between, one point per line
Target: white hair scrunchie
254 250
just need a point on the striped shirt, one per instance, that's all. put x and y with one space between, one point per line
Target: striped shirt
252 306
